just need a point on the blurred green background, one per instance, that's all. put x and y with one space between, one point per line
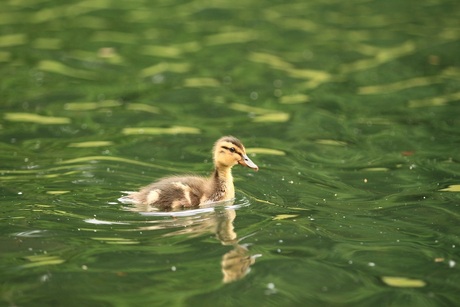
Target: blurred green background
350 109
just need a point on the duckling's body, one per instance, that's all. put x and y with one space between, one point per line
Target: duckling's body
178 192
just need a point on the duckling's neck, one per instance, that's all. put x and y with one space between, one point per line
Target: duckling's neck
223 184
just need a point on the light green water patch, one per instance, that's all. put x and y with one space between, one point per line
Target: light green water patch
154 130
294 99
37 119
91 144
12 40
398 86
201 82
434 101
165 67
381 56
47 43
143 108
265 151
87 106
42 260
231 38
62 69
403 282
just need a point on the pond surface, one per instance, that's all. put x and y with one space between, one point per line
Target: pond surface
350 109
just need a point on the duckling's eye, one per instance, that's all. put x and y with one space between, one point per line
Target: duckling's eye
231 149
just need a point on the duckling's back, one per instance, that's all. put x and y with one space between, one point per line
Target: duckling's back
173 193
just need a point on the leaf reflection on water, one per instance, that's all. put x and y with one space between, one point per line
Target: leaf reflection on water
210 218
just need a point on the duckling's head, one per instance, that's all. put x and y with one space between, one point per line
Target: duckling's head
229 151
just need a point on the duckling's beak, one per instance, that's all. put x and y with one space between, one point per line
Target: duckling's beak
247 162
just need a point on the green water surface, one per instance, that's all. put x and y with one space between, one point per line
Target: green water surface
351 109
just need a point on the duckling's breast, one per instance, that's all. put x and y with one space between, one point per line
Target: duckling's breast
222 189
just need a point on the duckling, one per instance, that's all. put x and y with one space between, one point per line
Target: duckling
177 192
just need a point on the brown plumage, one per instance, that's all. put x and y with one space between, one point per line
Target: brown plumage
178 192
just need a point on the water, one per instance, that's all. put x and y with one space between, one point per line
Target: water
350 109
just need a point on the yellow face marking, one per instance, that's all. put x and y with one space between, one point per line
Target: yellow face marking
232 148
232 153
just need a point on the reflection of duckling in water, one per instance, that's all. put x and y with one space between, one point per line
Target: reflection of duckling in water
179 192
235 263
